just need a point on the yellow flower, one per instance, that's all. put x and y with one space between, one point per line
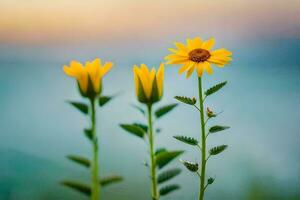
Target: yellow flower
89 77
197 55
148 84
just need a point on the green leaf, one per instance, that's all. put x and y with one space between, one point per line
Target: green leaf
186 100
110 179
215 88
134 129
218 149
167 189
80 187
217 128
165 157
104 99
80 160
142 126
139 109
193 167
210 180
160 150
187 140
88 133
167 175
164 110
82 107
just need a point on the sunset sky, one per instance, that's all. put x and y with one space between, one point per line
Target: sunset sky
73 21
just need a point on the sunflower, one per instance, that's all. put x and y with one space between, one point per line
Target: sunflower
197 55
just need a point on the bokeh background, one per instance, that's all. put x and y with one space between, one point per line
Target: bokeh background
260 102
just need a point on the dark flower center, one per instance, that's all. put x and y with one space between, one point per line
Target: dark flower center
199 55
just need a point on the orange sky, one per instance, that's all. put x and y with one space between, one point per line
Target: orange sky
37 21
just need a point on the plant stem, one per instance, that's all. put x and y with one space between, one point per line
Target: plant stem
203 156
152 158
95 166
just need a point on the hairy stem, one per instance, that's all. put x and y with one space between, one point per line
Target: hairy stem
203 138
152 158
95 166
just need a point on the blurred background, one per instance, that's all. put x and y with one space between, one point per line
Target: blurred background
260 101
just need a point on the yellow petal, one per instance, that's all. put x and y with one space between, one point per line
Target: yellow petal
185 67
221 52
136 78
208 44
200 69
160 79
190 70
207 67
178 61
106 68
181 47
190 45
197 42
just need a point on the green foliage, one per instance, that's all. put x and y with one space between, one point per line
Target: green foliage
82 107
160 150
165 157
88 133
210 180
217 128
167 189
215 88
104 100
167 175
187 140
139 109
193 167
164 110
142 126
110 179
186 100
218 149
80 160
80 187
134 129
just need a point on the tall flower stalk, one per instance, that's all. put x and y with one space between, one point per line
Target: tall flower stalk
197 56
89 80
149 90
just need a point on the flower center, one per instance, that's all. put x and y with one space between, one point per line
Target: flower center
199 55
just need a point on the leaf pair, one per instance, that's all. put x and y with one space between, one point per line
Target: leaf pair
85 189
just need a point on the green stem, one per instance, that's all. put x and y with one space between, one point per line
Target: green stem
203 156
152 158
95 166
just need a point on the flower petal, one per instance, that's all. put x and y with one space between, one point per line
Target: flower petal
208 44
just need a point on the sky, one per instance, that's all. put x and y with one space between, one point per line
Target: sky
259 102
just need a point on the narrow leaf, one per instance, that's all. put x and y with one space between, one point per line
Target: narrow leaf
142 126
80 187
193 167
167 189
80 160
186 100
165 157
82 107
88 133
215 88
139 109
160 150
104 100
217 128
164 110
135 130
218 149
167 175
110 179
187 140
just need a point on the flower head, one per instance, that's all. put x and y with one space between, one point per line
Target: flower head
148 84
88 76
197 55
